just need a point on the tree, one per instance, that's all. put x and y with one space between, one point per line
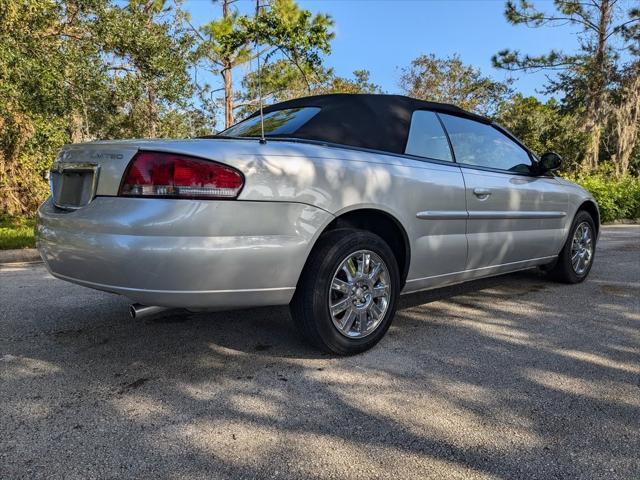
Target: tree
225 44
449 80
543 127
281 80
627 100
148 57
584 77
625 119
361 83
281 29
49 73
78 70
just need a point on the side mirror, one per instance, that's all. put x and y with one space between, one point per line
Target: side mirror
549 162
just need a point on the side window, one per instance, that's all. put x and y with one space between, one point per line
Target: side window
476 143
427 138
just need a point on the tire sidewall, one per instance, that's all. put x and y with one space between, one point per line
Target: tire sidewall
351 242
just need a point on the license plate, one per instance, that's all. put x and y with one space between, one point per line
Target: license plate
73 185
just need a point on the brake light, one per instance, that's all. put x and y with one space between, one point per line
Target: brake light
158 174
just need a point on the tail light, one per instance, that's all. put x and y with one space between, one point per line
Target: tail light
158 174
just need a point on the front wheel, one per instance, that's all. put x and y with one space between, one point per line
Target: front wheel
576 258
346 297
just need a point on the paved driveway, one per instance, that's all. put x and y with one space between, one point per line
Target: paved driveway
510 377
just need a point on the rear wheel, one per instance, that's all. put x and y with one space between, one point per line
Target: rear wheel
346 297
576 258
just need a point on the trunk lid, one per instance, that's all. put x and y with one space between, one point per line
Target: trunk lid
83 171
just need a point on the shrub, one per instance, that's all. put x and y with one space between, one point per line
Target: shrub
618 198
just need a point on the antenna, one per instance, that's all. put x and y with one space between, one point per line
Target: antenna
262 138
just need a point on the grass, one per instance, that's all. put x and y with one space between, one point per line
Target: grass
17 232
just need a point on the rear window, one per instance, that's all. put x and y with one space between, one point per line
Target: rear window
279 122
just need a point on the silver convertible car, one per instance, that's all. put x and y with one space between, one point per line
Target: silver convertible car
334 204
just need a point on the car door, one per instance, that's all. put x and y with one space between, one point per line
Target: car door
514 216
436 205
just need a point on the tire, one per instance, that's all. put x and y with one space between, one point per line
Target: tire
310 307
563 270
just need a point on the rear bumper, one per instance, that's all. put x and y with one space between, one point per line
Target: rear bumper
182 253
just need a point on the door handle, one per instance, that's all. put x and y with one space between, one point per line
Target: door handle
481 192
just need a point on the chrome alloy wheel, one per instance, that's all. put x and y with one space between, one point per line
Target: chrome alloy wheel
581 248
359 294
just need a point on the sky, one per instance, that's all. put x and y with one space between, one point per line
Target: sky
383 36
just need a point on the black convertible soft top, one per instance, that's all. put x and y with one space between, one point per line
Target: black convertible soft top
379 122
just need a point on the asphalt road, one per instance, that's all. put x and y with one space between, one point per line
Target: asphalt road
511 377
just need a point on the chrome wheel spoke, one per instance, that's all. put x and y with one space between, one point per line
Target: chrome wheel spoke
341 286
362 321
379 291
349 319
366 263
375 272
575 258
352 267
341 306
376 311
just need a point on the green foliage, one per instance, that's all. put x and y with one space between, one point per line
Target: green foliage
544 127
588 18
36 92
295 33
77 70
589 79
617 197
17 232
282 31
283 28
148 59
282 80
226 38
449 80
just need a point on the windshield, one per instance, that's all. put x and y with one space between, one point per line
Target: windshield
279 122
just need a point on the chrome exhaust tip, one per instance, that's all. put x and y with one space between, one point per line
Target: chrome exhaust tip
138 310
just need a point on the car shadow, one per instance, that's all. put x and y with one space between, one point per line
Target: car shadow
507 377
270 331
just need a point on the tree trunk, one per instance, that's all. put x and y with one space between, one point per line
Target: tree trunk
594 131
597 100
152 126
627 123
77 127
228 94
227 77
152 107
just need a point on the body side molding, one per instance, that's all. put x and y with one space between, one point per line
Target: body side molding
515 215
487 215
443 215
